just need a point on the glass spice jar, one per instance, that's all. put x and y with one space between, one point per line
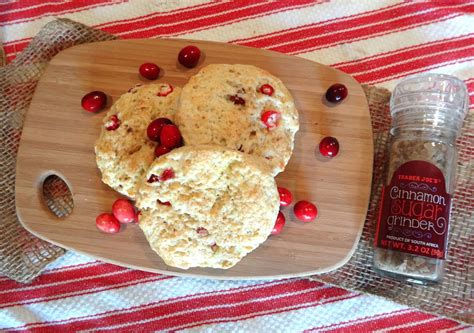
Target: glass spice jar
413 224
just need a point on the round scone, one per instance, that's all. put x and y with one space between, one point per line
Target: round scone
231 105
207 206
123 150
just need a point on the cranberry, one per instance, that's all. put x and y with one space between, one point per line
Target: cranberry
123 211
94 101
170 136
329 146
154 128
267 89
336 93
279 224
161 150
107 223
164 203
149 71
285 196
132 89
113 123
166 174
165 90
153 179
271 118
237 100
305 211
202 232
189 56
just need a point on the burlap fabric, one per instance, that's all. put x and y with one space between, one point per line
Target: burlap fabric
2 56
23 256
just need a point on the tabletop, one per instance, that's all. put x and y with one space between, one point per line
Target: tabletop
377 42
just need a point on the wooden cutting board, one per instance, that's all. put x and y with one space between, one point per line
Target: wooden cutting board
58 138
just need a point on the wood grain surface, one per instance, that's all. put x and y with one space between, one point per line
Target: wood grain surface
58 138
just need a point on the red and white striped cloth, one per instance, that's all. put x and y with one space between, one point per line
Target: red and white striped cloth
378 42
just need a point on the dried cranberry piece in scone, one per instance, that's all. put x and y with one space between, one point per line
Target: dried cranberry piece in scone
113 123
271 118
165 175
165 90
267 89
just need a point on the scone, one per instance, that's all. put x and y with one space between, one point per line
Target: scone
230 105
207 206
123 150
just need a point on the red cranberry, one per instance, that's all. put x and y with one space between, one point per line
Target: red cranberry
237 100
170 136
305 211
153 179
164 203
94 101
165 90
271 118
279 224
329 146
161 150
149 71
166 174
107 223
113 123
189 56
202 232
267 89
154 128
134 88
285 196
336 93
123 211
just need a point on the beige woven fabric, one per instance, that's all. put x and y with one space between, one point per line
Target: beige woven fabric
22 256
2 56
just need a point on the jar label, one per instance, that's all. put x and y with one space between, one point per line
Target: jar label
414 211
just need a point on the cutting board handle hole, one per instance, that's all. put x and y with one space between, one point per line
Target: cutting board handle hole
57 196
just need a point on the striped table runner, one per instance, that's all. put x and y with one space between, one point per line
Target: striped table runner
378 42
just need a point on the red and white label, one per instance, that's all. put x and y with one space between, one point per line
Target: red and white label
414 211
